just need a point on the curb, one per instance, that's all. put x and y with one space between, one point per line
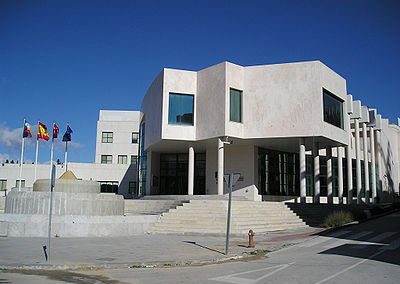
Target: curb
245 256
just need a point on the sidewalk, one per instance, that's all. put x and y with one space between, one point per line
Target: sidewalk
137 251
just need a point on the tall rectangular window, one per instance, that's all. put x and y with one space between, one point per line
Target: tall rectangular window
106 159
235 103
135 137
3 184
181 109
333 109
106 137
133 188
122 159
134 159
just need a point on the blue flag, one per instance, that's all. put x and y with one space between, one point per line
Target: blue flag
67 134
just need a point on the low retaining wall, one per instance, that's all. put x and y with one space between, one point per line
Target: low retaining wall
22 225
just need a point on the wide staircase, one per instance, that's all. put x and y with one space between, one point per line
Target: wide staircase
149 207
209 217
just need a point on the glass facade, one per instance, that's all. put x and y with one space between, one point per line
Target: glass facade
333 109
278 172
174 174
235 105
142 167
181 109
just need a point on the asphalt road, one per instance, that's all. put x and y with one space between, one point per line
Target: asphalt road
365 253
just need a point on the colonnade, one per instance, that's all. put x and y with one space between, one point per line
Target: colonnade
370 154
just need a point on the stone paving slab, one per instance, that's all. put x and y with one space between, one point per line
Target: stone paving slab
136 251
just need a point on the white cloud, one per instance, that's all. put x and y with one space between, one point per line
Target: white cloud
3 157
10 137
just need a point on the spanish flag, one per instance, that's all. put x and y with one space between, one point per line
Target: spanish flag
42 132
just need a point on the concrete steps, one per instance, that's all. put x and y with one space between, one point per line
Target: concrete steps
209 217
149 207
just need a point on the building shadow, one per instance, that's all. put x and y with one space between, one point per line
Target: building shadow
373 252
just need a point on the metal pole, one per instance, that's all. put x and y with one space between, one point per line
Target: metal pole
66 155
21 163
52 182
228 223
51 156
36 158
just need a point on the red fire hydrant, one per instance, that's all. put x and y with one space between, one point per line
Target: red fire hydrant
251 239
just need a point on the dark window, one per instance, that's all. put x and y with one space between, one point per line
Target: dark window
333 109
133 188
3 184
134 159
235 105
135 137
106 137
109 186
106 159
180 109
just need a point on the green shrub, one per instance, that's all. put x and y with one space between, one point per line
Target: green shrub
338 218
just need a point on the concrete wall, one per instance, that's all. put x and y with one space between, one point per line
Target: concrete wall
285 100
237 159
282 100
151 110
183 82
22 225
122 174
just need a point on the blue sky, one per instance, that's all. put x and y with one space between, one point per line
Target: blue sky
66 60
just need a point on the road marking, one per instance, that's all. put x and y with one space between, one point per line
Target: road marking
374 241
349 239
393 245
321 239
232 278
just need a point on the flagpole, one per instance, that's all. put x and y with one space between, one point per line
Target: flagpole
51 154
22 158
52 150
37 152
66 155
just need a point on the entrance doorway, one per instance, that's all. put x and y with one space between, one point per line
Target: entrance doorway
174 174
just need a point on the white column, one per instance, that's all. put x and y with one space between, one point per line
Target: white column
191 171
316 172
373 169
340 173
366 169
349 167
220 167
329 176
302 175
379 163
358 161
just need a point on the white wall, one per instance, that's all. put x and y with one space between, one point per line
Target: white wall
183 82
122 124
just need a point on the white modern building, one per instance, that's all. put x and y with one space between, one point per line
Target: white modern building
290 130
115 165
